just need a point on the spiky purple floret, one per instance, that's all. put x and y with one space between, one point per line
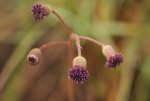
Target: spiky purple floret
78 74
114 61
39 11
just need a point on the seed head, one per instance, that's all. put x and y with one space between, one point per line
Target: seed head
34 56
40 11
113 59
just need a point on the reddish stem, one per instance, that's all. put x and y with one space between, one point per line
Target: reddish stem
91 40
78 44
63 22
70 85
44 46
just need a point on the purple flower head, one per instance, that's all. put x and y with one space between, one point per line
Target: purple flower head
39 11
113 58
114 61
78 74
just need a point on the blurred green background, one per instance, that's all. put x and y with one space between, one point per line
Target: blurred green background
124 24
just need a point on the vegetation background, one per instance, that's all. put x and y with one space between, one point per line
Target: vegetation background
124 24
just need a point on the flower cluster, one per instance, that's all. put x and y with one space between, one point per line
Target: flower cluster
78 71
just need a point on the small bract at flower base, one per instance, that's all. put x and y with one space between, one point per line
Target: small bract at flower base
113 59
80 61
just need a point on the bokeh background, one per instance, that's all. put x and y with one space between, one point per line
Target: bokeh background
124 24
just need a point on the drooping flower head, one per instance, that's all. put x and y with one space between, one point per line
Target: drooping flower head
34 56
78 72
113 59
40 11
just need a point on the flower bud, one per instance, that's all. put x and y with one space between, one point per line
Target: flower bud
40 11
34 56
80 61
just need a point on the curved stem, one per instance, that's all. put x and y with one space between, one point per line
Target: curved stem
44 46
70 86
63 22
91 40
